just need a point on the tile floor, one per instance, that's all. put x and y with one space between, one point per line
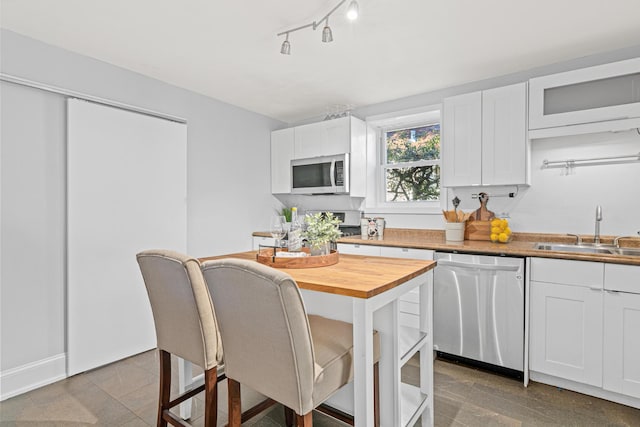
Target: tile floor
125 394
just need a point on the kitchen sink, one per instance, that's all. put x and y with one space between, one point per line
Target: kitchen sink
588 249
627 251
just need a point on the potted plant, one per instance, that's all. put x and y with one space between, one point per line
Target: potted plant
322 229
286 213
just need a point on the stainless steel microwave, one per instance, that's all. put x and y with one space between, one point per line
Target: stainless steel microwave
320 175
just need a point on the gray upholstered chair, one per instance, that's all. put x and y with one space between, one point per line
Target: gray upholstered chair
272 345
185 326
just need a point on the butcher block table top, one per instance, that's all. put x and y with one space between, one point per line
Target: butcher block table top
354 275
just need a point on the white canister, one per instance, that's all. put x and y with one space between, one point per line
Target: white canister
454 231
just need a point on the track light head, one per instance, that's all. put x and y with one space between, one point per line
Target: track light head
327 37
285 49
353 10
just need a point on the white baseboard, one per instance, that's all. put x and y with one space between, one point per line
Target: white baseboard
586 389
36 374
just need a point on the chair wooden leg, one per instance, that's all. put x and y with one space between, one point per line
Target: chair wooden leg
165 386
211 397
305 420
288 416
376 394
235 404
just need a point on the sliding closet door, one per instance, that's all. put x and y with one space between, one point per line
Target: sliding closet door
126 193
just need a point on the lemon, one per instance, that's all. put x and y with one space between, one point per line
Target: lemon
507 231
494 237
504 223
496 223
502 237
496 230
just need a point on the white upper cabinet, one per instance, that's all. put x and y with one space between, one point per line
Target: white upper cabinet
600 98
504 135
485 138
462 140
281 155
323 138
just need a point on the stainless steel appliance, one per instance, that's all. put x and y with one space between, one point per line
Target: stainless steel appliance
479 308
320 175
350 225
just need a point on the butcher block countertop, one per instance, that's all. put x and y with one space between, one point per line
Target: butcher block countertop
522 244
354 275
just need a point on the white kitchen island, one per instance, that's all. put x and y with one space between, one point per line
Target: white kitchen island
365 291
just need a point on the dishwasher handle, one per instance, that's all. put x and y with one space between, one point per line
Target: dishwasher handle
472 266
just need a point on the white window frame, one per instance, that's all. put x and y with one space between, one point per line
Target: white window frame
376 191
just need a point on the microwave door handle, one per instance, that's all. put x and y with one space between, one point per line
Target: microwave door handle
332 172
491 267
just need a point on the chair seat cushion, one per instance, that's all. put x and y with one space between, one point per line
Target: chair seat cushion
333 349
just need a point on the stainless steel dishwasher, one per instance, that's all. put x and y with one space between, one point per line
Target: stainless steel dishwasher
479 308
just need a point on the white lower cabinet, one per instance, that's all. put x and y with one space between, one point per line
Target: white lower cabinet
350 249
622 330
584 323
566 332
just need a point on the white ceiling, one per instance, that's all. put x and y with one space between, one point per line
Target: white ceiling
228 49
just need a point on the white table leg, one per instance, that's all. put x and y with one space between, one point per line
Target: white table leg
184 381
362 363
426 353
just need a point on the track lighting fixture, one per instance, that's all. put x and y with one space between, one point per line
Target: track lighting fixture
327 35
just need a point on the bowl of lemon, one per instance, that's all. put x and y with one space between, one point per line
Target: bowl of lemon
500 231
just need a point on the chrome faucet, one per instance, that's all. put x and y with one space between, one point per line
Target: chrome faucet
596 236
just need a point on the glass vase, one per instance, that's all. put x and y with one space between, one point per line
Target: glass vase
320 248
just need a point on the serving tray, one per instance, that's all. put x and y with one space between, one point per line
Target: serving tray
267 256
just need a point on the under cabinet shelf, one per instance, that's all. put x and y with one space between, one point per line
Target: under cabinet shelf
411 340
414 403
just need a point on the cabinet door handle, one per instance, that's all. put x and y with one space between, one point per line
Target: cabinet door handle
593 288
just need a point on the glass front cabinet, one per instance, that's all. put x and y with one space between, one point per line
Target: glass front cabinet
609 92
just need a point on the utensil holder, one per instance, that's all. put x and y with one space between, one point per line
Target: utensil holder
454 231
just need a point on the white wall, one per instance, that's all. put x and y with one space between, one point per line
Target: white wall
228 184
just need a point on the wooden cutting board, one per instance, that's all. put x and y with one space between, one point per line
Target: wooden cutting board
482 214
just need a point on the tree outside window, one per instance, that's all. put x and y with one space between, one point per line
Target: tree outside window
412 163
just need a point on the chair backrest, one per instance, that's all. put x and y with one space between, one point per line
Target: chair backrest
182 309
265 330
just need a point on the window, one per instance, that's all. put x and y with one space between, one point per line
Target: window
411 163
